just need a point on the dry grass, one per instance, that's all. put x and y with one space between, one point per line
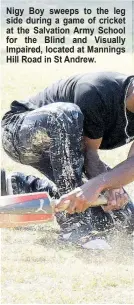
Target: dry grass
35 269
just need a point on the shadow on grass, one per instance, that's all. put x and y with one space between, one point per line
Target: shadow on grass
47 237
120 252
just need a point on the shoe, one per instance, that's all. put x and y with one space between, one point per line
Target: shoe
82 236
99 220
73 228
18 183
73 232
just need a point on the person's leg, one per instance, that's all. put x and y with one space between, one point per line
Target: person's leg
49 139
19 183
16 182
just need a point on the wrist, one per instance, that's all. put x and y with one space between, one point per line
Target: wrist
104 181
100 180
97 181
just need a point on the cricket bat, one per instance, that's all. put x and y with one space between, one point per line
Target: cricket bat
34 208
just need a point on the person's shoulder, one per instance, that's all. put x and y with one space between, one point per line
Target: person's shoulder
113 75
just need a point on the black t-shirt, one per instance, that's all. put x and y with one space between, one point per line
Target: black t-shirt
100 97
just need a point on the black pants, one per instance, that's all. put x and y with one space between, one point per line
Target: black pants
50 140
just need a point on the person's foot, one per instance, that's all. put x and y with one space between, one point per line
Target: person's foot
83 236
80 229
18 183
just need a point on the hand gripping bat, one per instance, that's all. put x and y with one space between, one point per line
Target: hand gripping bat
33 208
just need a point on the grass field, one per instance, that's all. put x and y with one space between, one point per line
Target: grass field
35 268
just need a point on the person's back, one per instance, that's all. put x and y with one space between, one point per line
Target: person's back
110 85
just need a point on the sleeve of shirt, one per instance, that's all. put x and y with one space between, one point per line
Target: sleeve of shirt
90 103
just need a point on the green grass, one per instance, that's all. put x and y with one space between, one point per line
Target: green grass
35 268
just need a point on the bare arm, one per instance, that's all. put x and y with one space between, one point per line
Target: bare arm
119 176
82 197
116 197
93 165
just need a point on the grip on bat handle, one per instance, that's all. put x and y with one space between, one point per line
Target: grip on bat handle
102 200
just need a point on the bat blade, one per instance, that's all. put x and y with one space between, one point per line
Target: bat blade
33 208
25 209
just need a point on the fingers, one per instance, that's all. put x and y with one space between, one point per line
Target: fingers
117 199
62 205
77 203
121 200
111 203
72 203
72 207
66 201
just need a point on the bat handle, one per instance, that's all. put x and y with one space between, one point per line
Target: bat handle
102 200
